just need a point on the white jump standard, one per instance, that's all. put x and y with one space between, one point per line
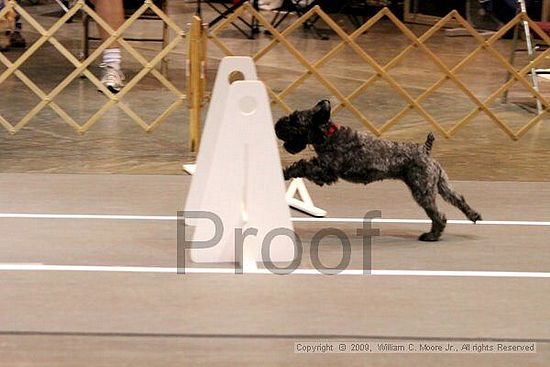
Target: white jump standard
246 67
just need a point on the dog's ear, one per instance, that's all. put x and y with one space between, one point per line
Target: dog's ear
295 146
11 16
322 112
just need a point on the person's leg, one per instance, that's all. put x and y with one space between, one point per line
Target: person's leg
112 11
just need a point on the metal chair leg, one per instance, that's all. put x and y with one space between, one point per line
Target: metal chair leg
164 62
512 59
85 36
530 52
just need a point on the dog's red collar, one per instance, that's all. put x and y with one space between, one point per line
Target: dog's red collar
331 130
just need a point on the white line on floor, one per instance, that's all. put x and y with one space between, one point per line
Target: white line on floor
163 270
294 219
88 216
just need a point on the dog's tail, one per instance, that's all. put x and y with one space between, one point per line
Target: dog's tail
428 145
454 198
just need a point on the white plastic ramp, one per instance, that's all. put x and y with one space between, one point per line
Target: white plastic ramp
245 185
214 117
304 203
190 168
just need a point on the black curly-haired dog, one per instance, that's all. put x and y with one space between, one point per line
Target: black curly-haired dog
357 157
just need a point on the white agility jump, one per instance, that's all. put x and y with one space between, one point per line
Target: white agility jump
238 176
228 66
242 181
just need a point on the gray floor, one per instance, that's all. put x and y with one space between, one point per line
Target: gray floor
80 318
138 319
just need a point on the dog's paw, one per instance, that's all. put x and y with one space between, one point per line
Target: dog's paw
287 174
429 237
474 217
292 171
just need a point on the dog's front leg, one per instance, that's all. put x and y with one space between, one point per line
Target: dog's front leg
312 170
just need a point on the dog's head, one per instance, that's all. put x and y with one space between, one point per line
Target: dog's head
7 27
301 128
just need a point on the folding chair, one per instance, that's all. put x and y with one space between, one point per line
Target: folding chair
225 7
531 49
355 11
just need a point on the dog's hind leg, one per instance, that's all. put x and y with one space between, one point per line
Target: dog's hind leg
438 219
423 189
452 197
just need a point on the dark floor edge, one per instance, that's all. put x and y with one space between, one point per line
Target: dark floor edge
266 336
184 174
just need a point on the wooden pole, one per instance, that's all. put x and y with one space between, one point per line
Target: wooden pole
195 81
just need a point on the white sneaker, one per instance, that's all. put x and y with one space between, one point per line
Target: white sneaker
112 78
